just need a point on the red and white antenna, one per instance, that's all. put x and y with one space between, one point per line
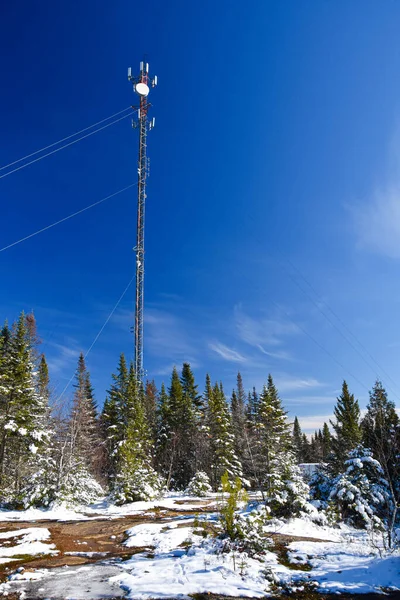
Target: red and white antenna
141 85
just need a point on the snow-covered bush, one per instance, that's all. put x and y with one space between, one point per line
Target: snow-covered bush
199 485
288 493
320 487
139 484
40 489
361 493
78 487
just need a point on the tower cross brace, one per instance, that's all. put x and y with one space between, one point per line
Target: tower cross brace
141 85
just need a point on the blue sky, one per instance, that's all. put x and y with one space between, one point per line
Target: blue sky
274 167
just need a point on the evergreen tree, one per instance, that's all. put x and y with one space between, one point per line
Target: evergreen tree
274 434
23 410
298 441
114 419
306 449
150 407
165 441
85 430
239 421
198 449
326 442
379 429
177 433
252 406
222 450
346 428
136 478
361 493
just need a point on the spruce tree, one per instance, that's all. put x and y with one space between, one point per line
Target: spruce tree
84 422
252 406
361 493
114 418
164 442
222 442
196 423
150 407
23 417
326 442
136 478
380 431
297 440
274 436
239 421
306 449
347 431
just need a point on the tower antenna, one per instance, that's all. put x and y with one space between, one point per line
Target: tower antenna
141 85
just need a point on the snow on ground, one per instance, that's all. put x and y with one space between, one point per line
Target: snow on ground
173 561
351 565
14 544
89 582
61 512
305 528
182 563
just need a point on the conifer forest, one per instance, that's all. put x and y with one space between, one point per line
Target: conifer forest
145 441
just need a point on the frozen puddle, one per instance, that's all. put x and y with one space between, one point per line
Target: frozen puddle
89 582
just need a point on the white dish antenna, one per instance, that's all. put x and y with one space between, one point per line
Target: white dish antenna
142 89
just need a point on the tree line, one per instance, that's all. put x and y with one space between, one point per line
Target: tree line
146 440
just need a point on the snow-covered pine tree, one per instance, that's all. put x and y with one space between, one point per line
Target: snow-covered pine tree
192 416
361 494
114 418
177 426
239 421
80 445
288 493
222 442
379 428
285 491
22 428
347 431
274 433
298 441
199 485
135 478
85 428
39 487
380 431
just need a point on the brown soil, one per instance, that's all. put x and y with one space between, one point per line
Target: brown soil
99 536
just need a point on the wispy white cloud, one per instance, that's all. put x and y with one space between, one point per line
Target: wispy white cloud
227 353
286 383
377 218
264 332
377 221
168 336
310 400
62 357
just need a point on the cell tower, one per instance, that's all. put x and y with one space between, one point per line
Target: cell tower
141 85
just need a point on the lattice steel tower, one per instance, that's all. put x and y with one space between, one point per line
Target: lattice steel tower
141 85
